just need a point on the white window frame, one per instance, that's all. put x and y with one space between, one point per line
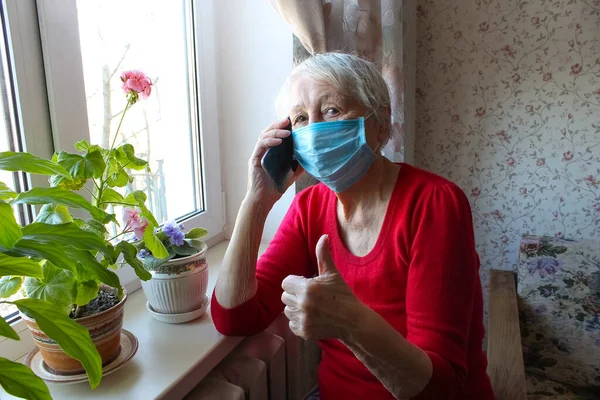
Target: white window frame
59 33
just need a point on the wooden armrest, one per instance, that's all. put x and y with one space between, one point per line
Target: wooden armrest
505 354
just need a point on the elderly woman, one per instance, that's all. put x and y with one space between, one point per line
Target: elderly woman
377 262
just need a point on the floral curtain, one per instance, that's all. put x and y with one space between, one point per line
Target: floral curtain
370 28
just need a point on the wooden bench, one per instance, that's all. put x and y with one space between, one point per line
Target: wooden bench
504 351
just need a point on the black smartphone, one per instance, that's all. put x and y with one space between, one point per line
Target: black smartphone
279 163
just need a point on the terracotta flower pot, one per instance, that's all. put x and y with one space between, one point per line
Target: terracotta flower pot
179 285
105 331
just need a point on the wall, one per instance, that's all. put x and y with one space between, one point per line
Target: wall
254 50
508 107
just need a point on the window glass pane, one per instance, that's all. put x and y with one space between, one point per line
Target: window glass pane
8 135
153 36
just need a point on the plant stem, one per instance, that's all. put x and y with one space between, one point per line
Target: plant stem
120 234
90 192
119 203
120 122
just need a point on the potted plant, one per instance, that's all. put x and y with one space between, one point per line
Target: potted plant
63 263
179 281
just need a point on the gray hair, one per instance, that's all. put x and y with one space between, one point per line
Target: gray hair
352 76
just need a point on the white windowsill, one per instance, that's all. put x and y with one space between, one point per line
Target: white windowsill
171 359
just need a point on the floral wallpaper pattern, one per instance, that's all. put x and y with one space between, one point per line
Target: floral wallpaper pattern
508 107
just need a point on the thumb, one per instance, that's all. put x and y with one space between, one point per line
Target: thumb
324 259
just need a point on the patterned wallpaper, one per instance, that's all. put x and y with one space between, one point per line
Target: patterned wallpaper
508 107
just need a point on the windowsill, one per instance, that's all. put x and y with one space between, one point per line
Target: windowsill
171 359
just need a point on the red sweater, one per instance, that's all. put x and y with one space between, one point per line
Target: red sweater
421 277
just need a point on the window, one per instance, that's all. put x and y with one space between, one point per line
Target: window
24 119
55 91
175 128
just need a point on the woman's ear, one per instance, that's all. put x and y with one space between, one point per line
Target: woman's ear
385 124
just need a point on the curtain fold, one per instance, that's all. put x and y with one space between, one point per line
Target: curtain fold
370 28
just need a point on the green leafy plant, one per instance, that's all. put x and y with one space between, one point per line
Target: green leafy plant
60 260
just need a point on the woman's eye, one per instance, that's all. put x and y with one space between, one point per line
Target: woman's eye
299 119
332 111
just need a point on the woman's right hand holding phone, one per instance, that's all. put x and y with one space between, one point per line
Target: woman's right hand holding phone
260 186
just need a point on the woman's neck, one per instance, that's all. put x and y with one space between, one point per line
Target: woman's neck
377 185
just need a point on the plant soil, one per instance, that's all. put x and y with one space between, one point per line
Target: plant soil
105 300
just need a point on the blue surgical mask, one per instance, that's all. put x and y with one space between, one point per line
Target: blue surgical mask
336 153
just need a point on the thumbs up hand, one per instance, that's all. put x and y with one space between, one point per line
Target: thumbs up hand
322 307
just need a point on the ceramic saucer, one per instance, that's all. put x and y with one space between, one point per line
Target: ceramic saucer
129 346
180 318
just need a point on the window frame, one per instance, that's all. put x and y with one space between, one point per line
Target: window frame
59 32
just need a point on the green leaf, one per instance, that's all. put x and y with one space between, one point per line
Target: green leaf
19 266
126 156
54 214
111 196
11 161
196 233
156 247
7 331
55 254
86 291
185 250
93 268
130 255
20 381
6 193
120 179
73 338
91 225
10 231
57 195
82 145
9 285
140 197
151 263
71 184
57 287
68 234
90 165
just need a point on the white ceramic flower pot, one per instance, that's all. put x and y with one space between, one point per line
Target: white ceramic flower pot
179 285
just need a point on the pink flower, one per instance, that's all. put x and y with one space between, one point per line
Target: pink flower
455 118
558 234
596 92
484 26
498 215
133 219
136 81
508 51
564 131
503 136
570 116
578 26
555 213
567 156
475 192
480 112
590 180
457 35
510 161
523 190
516 78
547 77
505 239
540 162
597 207
529 108
535 20
576 69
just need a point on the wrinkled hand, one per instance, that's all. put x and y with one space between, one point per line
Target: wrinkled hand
323 307
260 186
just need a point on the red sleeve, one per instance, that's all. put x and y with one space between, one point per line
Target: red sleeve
441 288
287 254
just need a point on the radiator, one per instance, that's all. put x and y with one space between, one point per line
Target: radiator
273 365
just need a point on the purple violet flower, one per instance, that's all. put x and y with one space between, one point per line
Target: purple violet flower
174 233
